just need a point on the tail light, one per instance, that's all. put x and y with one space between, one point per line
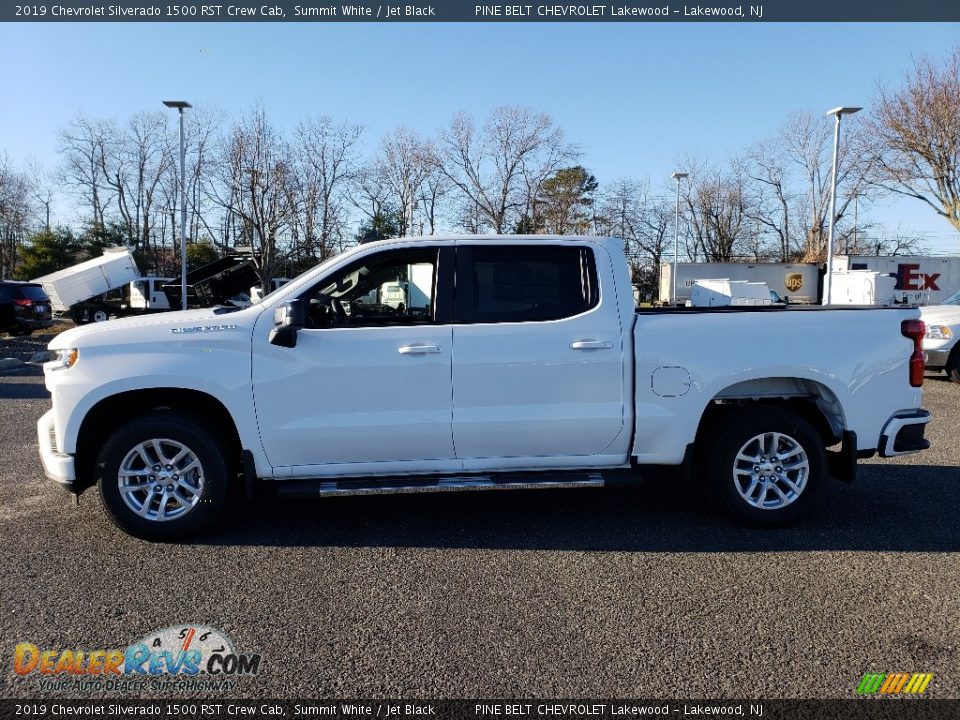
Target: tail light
23 302
915 330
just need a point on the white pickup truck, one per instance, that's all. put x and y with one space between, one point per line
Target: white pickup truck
511 361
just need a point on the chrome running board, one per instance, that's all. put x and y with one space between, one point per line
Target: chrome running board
442 483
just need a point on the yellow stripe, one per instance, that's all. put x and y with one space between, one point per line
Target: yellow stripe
926 681
914 682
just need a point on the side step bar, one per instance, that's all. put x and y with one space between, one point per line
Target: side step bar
440 483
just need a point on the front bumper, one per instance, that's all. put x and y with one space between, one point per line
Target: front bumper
936 359
57 466
903 433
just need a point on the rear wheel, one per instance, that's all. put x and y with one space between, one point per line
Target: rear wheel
98 315
765 464
162 477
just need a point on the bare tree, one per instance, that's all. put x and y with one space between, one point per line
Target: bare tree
498 171
42 187
135 160
627 210
253 185
434 190
716 212
769 203
15 211
808 143
326 165
402 165
917 133
83 146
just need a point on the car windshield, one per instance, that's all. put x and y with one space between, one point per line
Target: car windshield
952 300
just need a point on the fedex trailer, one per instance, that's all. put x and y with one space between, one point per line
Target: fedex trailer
920 280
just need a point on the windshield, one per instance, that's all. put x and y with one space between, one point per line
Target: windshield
33 292
952 300
328 261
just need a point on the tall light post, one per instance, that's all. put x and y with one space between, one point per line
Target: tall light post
678 176
837 113
180 105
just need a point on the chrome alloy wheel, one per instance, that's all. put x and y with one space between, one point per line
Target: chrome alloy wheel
771 470
160 479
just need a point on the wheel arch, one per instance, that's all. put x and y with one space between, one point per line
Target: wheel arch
810 399
113 411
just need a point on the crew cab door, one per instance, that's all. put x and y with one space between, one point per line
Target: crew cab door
367 388
538 356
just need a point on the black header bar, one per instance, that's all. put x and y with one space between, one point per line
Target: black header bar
621 11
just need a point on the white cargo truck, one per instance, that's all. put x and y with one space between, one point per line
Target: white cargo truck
920 280
796 283
69 289
862 287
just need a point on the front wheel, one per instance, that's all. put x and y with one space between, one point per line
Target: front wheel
162 477
766 464
953 365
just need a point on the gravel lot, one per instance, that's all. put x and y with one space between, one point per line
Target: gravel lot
639 592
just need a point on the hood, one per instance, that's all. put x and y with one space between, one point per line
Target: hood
940 314
180 324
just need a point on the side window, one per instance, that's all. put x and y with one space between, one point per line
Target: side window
395 287
524 283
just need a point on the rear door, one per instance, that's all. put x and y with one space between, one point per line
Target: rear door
537 371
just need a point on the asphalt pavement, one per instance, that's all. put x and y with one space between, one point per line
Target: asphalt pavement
628 592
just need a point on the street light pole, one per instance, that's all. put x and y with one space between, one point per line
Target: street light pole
837 113
180 105
678 176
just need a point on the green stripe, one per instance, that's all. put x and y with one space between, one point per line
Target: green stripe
871 683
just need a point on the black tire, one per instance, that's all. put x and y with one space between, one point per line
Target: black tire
773 478
211 479
96 315
953 365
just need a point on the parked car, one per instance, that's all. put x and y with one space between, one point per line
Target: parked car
942 340
529 367
24 307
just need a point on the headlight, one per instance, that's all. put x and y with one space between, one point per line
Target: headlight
63 359
938 332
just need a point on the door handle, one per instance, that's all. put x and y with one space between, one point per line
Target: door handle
420 349
591 345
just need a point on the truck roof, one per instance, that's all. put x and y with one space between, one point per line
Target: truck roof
453 238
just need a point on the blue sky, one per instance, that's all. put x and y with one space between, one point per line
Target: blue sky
633 96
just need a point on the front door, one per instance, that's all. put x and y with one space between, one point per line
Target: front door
367 389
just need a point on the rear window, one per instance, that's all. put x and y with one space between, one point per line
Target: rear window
33 292
524 283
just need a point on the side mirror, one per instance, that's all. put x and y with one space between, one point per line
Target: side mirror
289 318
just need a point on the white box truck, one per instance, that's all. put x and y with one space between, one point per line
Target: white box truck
920 280
862 287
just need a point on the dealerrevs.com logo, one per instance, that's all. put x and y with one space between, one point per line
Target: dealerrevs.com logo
193 657
894 683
